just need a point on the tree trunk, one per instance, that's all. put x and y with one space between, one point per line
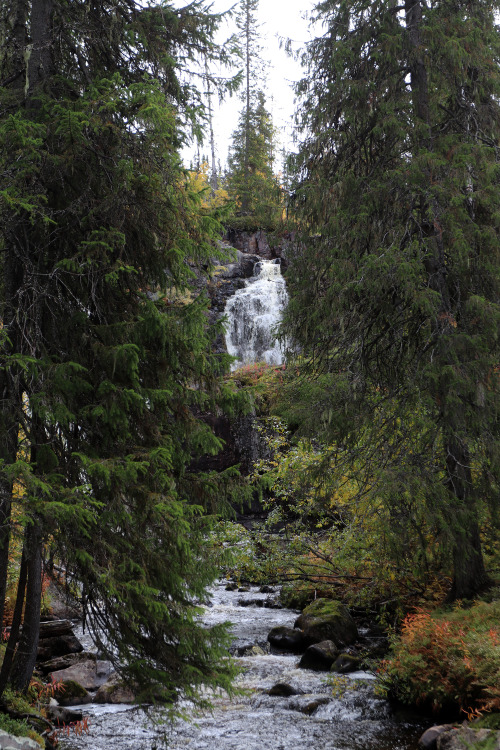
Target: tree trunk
16 624
25 658
469 574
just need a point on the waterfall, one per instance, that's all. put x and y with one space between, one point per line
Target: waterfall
253 313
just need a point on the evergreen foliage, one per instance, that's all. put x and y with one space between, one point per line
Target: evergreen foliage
251 159
395 280
103 368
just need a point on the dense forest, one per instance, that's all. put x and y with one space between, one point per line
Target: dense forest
378 475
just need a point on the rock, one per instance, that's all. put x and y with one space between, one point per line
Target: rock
466 738
9 742
319 656
327 620
243 590
310 708
287 639
114 690
251 651
345 663
251 602
282 690
428 741
266 589
63 662
232 586
90 673
71 693
61 715
49 648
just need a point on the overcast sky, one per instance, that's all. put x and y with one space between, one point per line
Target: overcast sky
278 18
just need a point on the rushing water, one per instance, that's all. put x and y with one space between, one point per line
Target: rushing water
317 717
253 313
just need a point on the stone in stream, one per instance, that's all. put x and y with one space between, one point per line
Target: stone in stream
283 690
114 691
327 620
319 656
89 673
71 693
62 715
345 663
287 639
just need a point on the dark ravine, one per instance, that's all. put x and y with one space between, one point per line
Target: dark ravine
310 711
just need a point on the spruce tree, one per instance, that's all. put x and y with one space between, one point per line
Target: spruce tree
106 351
395 281
250 179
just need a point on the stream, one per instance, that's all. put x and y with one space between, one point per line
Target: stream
346 715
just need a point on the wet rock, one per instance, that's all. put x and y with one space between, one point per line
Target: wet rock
266 589
465 738
243 590
327 620
310 707
71 693
287 639
282 690
345 663
251 602
319 656
114 690
61 645
231 586
90 673
63 662
428 741
251 651
61 714
9 742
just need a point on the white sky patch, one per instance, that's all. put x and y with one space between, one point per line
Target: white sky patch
285 19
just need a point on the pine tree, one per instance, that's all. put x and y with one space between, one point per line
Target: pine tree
395 282
106 351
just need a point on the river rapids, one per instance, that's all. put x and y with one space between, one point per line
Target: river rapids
343 714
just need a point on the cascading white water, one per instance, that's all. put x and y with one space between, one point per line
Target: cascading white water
253 314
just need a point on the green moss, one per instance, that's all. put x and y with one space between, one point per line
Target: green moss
70 689
322 608
488 721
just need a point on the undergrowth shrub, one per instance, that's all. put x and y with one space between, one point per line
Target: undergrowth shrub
447 660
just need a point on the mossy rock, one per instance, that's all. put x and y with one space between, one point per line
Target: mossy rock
488 721
71 693
327 620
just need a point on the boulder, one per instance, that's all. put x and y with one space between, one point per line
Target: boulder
283 690
71 693
345 663
9 742
465 738
287 639
49 648
327 620
90 674
61 715
114 690
63 662
428 741
319 656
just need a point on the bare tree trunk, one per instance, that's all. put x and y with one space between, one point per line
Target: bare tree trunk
25 657
16 625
